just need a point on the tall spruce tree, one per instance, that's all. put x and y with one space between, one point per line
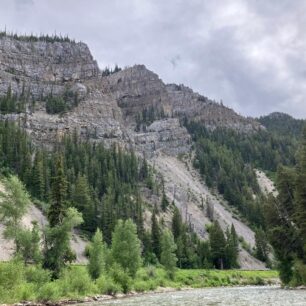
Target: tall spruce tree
58 203
217 245
155 234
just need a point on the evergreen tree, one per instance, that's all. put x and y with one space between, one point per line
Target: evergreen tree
155 235
96 265
57 251
58 204
164 201
217 245
232 248
177 223
261 245
83 203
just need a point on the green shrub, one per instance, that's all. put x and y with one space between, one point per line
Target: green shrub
121 277
37 275
49 292
106 285
141 286
299 274
11 274
75 281
26 292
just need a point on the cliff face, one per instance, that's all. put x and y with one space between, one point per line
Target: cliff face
42 67
133 106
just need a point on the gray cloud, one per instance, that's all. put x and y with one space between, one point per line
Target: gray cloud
251 54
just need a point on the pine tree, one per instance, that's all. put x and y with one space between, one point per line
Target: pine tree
82 201
58 204
38 180
164 201
155 235
177 223
217 245
232 248
57 250
261 245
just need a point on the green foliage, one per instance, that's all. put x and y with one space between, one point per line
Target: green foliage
108 71
11 103
261 245
49 292
55 105
147 116
57 252
35 274
75 281
155 235
125 249
28 242
121 277
14 203
109 178
164 201
96 265
168 257
232 248
106 285
286 220
283 124
226 160
58 203
19 282
217 245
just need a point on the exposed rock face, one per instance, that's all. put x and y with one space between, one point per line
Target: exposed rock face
164 135
43 67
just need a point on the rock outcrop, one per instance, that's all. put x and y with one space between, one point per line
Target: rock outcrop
43 67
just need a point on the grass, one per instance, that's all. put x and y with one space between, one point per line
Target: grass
20 283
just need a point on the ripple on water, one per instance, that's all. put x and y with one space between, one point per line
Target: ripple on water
236 296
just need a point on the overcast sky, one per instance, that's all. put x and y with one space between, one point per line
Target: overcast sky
249 53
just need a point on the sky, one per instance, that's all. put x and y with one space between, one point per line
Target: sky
251 54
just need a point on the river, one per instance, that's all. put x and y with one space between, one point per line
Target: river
235 296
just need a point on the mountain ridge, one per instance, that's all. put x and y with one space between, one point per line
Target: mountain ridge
132 108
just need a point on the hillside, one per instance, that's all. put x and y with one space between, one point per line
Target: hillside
53 89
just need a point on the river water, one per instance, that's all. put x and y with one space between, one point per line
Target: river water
235 296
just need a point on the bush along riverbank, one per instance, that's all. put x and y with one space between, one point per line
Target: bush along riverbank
20 283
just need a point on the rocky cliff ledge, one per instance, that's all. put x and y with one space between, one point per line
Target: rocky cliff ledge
42 67
133 106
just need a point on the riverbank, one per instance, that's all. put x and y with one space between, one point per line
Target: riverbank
20 283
